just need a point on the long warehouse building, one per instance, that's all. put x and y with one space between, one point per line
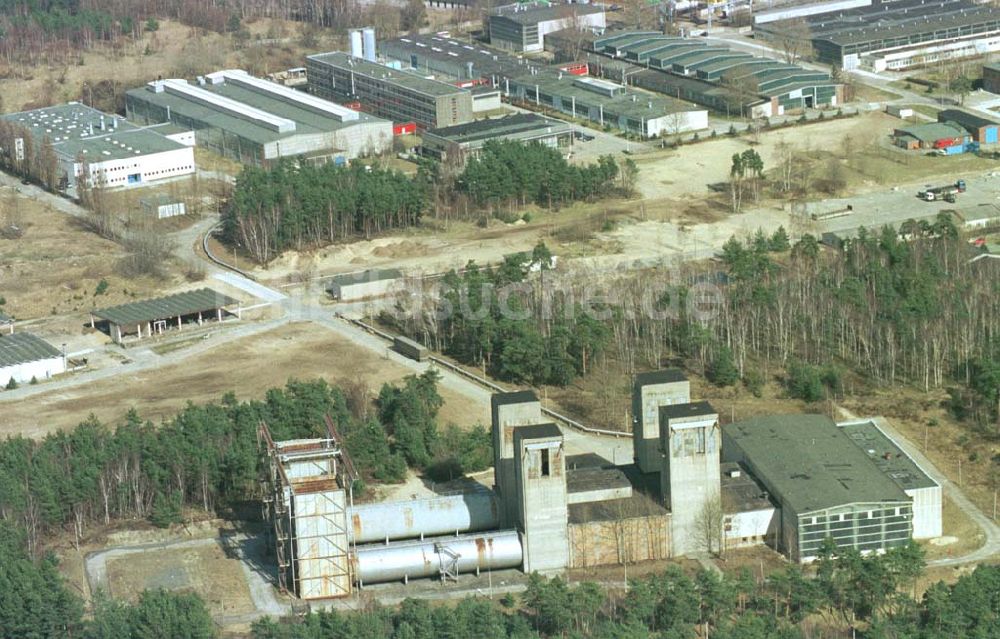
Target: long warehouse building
607 103
389 93
898 34
256 121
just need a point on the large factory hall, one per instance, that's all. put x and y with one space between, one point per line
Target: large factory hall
694 486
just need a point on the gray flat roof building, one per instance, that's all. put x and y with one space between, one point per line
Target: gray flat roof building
825 484
452 58
522 26
117 152
400 96
895 34
255 121
465 141
607 103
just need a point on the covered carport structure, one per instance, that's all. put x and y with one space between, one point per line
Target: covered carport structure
149 317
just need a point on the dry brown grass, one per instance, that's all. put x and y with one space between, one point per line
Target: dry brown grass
247 367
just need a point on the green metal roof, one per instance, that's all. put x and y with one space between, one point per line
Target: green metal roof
888 457
513 127
809 463
371 275
21 348
186 303
933 131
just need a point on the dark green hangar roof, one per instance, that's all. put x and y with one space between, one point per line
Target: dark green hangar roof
809 463
187 303
22 348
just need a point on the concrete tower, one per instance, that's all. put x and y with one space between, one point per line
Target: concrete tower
651 391
542 510
520 408
690 477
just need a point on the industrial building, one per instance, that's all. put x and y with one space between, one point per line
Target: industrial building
522 26
983 130
792 11
6 323
156 316
257 121
898 34
465 141
947 137
712 74
607 103
389 93
25 357
789 482
991 78
351 287
906 473
824 485
100 149
453 60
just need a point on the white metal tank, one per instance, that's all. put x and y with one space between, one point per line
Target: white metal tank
469 512
369 39
433 557
357 48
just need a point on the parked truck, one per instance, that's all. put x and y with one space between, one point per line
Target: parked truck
409 348
946 193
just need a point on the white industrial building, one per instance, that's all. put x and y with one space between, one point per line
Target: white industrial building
24 357
256 121
109 150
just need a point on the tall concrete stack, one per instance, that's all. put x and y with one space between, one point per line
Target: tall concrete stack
651 391
542 504
690 478
509 410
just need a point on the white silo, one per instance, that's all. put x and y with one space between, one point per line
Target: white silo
369 35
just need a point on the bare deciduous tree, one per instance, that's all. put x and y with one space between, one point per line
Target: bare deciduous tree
709 527
795 40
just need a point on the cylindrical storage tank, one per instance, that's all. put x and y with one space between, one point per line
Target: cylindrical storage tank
432 557
357 49
471 512
369 36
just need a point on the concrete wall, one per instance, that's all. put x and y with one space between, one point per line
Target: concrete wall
646 403
691 478
363 289
543 514
352 141
41 370
320 542
602 543
505 418
927 521
751 528
680 122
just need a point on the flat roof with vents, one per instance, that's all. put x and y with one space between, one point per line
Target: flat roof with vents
888 457
78 131
23 348
186 303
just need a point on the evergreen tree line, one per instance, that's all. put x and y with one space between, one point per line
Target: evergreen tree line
509 171
506 322
207 456
845 595
289 206
35 603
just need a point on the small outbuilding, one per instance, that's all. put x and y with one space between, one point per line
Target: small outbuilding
982 130
155 316
351 287
946 136
6 324
24 356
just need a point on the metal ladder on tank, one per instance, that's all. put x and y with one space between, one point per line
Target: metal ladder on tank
448 562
